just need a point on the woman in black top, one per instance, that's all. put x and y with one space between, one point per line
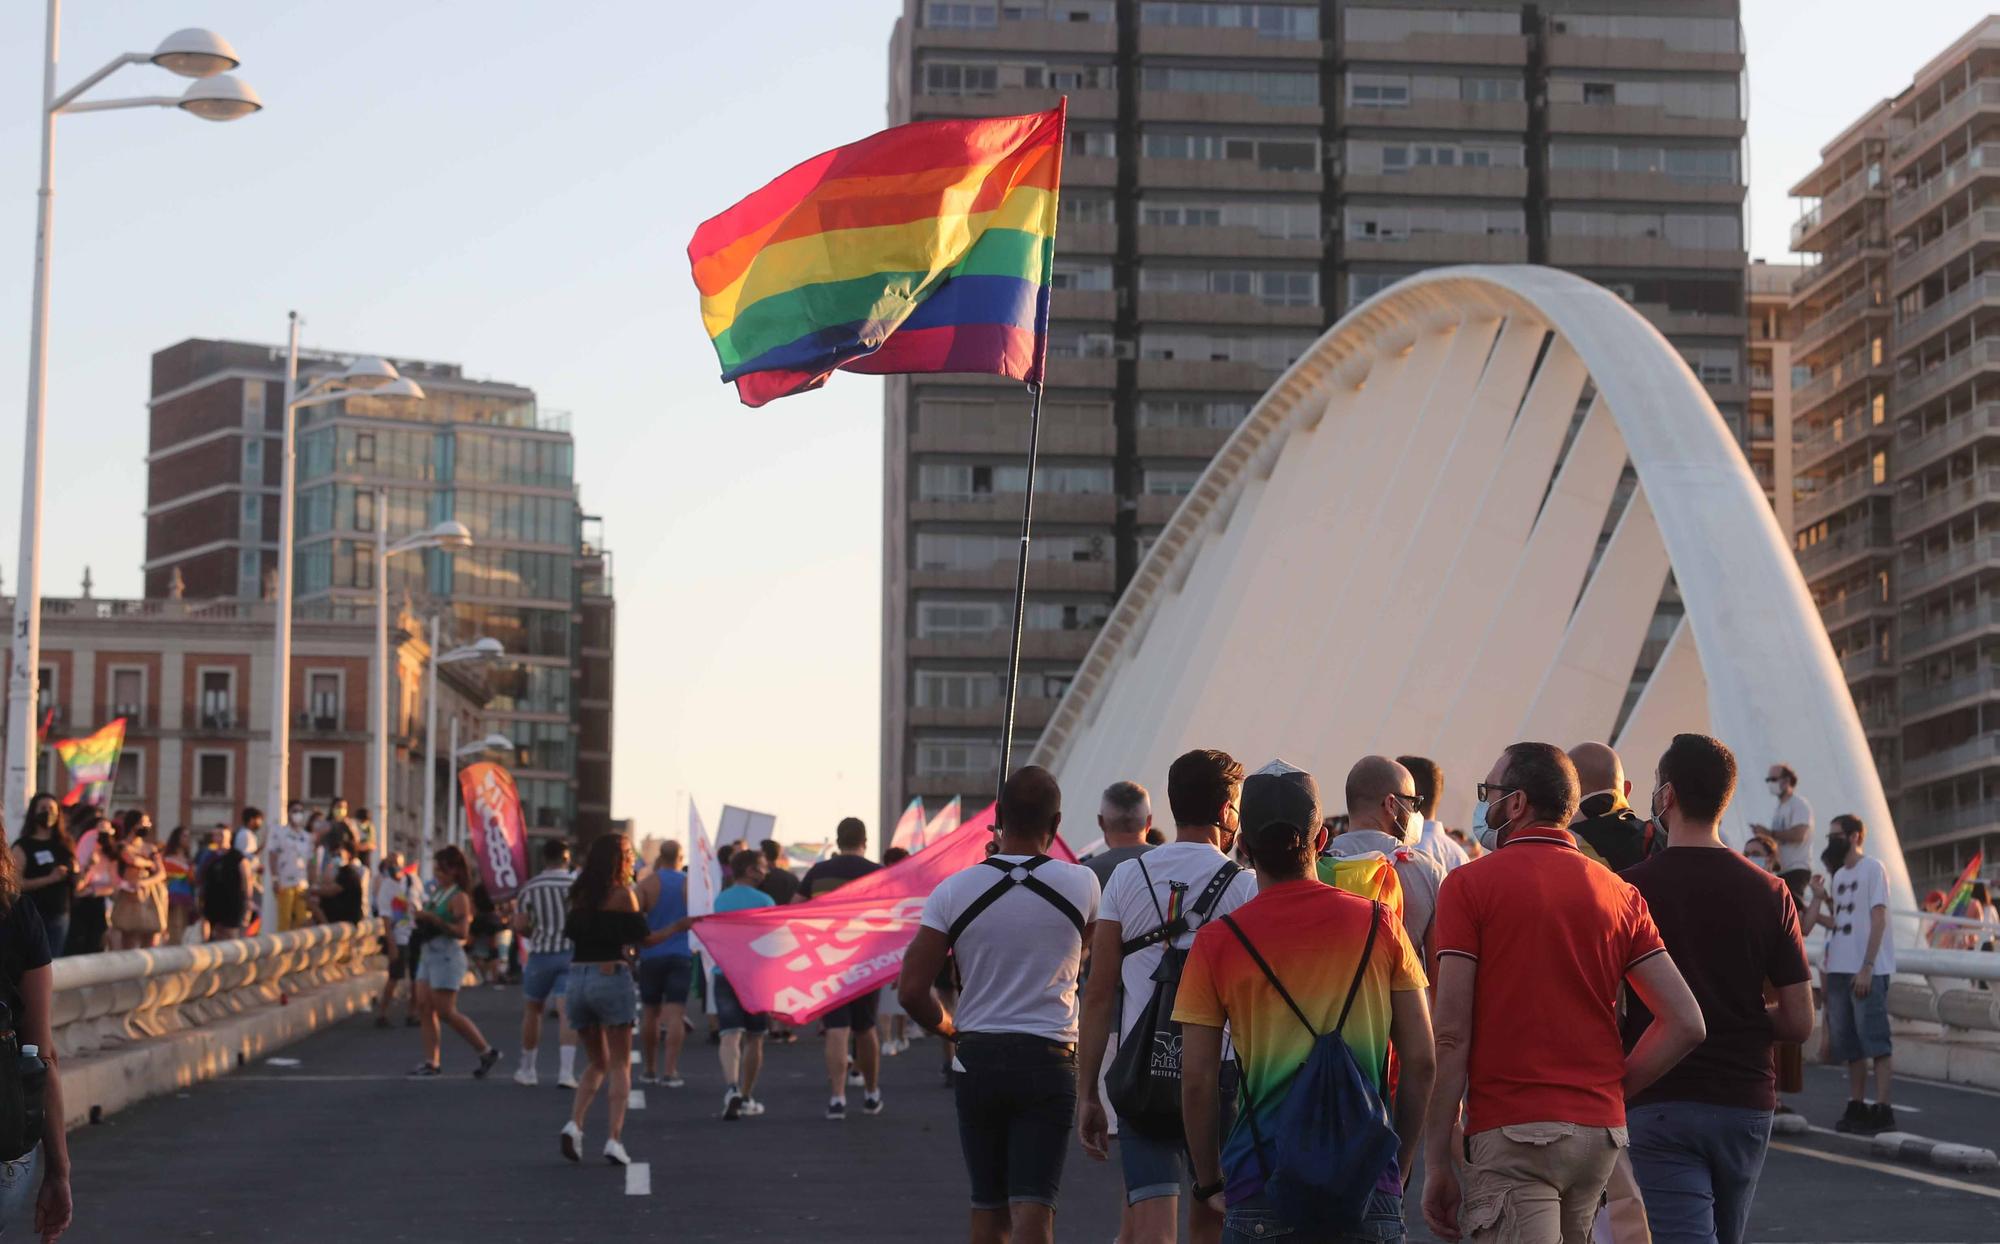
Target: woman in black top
604 924
26 987
45 861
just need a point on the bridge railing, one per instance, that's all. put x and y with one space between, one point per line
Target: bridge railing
103 1001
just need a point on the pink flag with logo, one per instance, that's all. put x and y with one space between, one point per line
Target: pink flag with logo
493 823
803 960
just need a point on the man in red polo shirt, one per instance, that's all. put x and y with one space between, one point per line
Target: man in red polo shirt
1533 942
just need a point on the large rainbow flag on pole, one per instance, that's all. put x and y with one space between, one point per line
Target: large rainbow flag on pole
925 248
91 762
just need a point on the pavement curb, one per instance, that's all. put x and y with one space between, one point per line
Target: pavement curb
1905 1147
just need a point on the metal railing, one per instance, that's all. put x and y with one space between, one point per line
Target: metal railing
1967 686
1910 266
1909 201
1955 433
1927 384
1911 332
1844 370
1981 750
1917 512
1916 638
1921 572
1963 105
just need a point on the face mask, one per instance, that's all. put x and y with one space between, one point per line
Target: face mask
1835 854
1775 787
1488 836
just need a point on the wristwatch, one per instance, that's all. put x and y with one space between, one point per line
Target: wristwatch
1204 1191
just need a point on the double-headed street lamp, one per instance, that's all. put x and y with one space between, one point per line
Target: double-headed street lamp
448 534
365 376
481 649
212 96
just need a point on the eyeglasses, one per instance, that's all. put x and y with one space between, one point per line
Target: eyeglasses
1407 803
1493 792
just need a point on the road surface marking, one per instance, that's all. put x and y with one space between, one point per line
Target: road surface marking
1901 1172
639 1179
1943 1084
636 1099
635 1058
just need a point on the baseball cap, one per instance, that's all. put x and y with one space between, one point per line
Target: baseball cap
1279 793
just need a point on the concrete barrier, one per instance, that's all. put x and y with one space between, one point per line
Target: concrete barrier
131 1024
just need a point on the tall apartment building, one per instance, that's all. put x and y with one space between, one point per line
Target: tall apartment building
1899 440
1767 428
1237 175
481 452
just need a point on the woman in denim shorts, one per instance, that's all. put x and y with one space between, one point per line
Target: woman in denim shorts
444 923
604 924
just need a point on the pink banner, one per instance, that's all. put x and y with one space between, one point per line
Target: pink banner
493 823
803 960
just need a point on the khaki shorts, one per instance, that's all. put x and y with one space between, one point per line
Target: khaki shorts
1537 1183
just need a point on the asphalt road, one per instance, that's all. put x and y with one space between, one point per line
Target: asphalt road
342 1147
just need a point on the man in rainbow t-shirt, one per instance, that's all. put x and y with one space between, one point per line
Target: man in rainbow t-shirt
1312 935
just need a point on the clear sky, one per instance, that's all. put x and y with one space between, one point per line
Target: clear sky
509 185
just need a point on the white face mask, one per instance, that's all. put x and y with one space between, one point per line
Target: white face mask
1487 836
1775 787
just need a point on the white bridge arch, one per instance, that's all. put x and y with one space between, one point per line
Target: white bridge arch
1399 551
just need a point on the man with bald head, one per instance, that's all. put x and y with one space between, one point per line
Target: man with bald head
1607 829
1383 819
1015 923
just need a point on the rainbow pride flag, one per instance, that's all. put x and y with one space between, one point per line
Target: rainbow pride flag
91 761
925 248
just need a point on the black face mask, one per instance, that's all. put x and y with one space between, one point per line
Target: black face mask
1835 854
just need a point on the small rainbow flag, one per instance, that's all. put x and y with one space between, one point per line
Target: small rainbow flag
91 761
925 248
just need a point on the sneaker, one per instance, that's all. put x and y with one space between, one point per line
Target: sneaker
854 1079
872 1104
487 1062
1856 1118
672 1082
426 1071
645 1079
527 1076
615 1154
752 1107
572 1142
566 1082
1881 1117
732 1105
837 1108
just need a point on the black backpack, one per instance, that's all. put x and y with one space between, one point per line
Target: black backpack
1144 1083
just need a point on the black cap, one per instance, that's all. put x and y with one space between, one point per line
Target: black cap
1280 793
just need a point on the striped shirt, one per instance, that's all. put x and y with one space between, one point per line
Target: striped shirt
546 902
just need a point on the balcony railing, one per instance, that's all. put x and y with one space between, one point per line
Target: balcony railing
1919 572
1915 825
1912 332
1844 491
1834 200
1912 266
1964 687
1851 607
1982 750
1865 661
1923 386
1837 317
1838 256
1829 379
1842 546
1943 630
1913 513
1950 117
1910 201
1815 446
1954 434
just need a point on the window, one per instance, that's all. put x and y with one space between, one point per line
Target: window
951 550
1273 353
47 697
1394 25
253 511
1080 209
1277 155
1395 223
1280 288
1714 364
1268 86
957 757
1166 412
322 776
1082 142
214 774
217 706
954 79
1080 275
1269 21
1705 99
253 456
248 573
941 16
1171 481
128 693
323 699
1599 93
364 510
1291 221
364 447
128 779
938 619
1377 156
1491 90
1374 90
1682 34
957 689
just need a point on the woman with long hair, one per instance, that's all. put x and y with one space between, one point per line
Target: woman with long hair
96 880
443 924
40 1176
45 862
178 862
139 912
604 925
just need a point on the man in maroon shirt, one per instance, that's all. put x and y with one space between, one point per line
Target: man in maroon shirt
1699 1134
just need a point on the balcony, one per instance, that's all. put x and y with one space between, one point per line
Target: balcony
1836 260
1043 576
1943 376
1205 375
1840 316
1942 697
1181 308
1914 513
1041 36
1951 629
1979 95
1629 119
1974 753
1478 183
1980 291
1097 172
1866 663
944 785
1088 239
1832 204
994 432
1438 48
1672 323
1035 646
1909 203
1836 376
1599 252
1838 495
1084 105
1923 826
1653 55
1910 267
1595 184
1843 549
1809 451
1156 509
1050 507
1441 114
1920 573
1433 248
1956 433
1223 108
1200 443
1214 41
1854 607
1030 713
1242 175
1235 242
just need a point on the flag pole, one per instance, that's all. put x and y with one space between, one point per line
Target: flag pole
1020 591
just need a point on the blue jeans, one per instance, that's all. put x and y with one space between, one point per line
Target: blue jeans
1156 1168
598 999
542 973
1697 1167
1857 1028
1253 1219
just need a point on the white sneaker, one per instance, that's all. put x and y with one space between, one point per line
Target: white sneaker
568 1082
615 1154
572 1142
732 1104
752 1107
527 1076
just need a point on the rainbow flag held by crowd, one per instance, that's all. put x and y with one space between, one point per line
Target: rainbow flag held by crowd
924 248
1958 897
909 833
91 762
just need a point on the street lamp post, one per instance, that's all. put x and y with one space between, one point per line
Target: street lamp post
444 535
213 96
455 832
481 649
365 375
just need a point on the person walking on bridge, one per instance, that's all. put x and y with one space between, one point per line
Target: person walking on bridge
666 971
443 924
852 1023
540 911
